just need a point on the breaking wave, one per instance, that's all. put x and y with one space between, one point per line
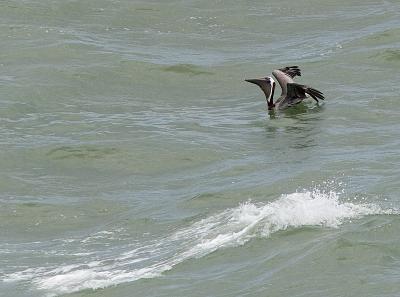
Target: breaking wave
230 228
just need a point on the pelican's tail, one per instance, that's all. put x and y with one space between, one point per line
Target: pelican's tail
315 94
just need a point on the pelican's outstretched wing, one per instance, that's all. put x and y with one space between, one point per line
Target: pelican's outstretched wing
285 76
297 93
291 71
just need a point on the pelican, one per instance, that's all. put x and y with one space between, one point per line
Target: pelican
292 93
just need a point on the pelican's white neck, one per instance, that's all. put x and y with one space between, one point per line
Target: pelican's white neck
271 94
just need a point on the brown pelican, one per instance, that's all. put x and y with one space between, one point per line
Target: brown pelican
292 93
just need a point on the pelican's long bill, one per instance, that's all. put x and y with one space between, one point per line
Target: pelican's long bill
267 85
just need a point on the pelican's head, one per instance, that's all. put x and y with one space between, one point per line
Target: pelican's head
267 85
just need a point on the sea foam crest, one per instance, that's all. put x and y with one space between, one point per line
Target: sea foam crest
228 228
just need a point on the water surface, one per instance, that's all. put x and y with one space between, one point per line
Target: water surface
135 161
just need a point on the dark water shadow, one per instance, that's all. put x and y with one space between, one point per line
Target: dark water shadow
188 69
80 152
297 110
388 55
297 127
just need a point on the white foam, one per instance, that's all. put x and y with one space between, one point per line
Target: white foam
304 209
229 228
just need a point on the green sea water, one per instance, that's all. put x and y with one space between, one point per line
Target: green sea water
136 161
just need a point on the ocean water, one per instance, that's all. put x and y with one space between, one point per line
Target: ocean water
135 160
